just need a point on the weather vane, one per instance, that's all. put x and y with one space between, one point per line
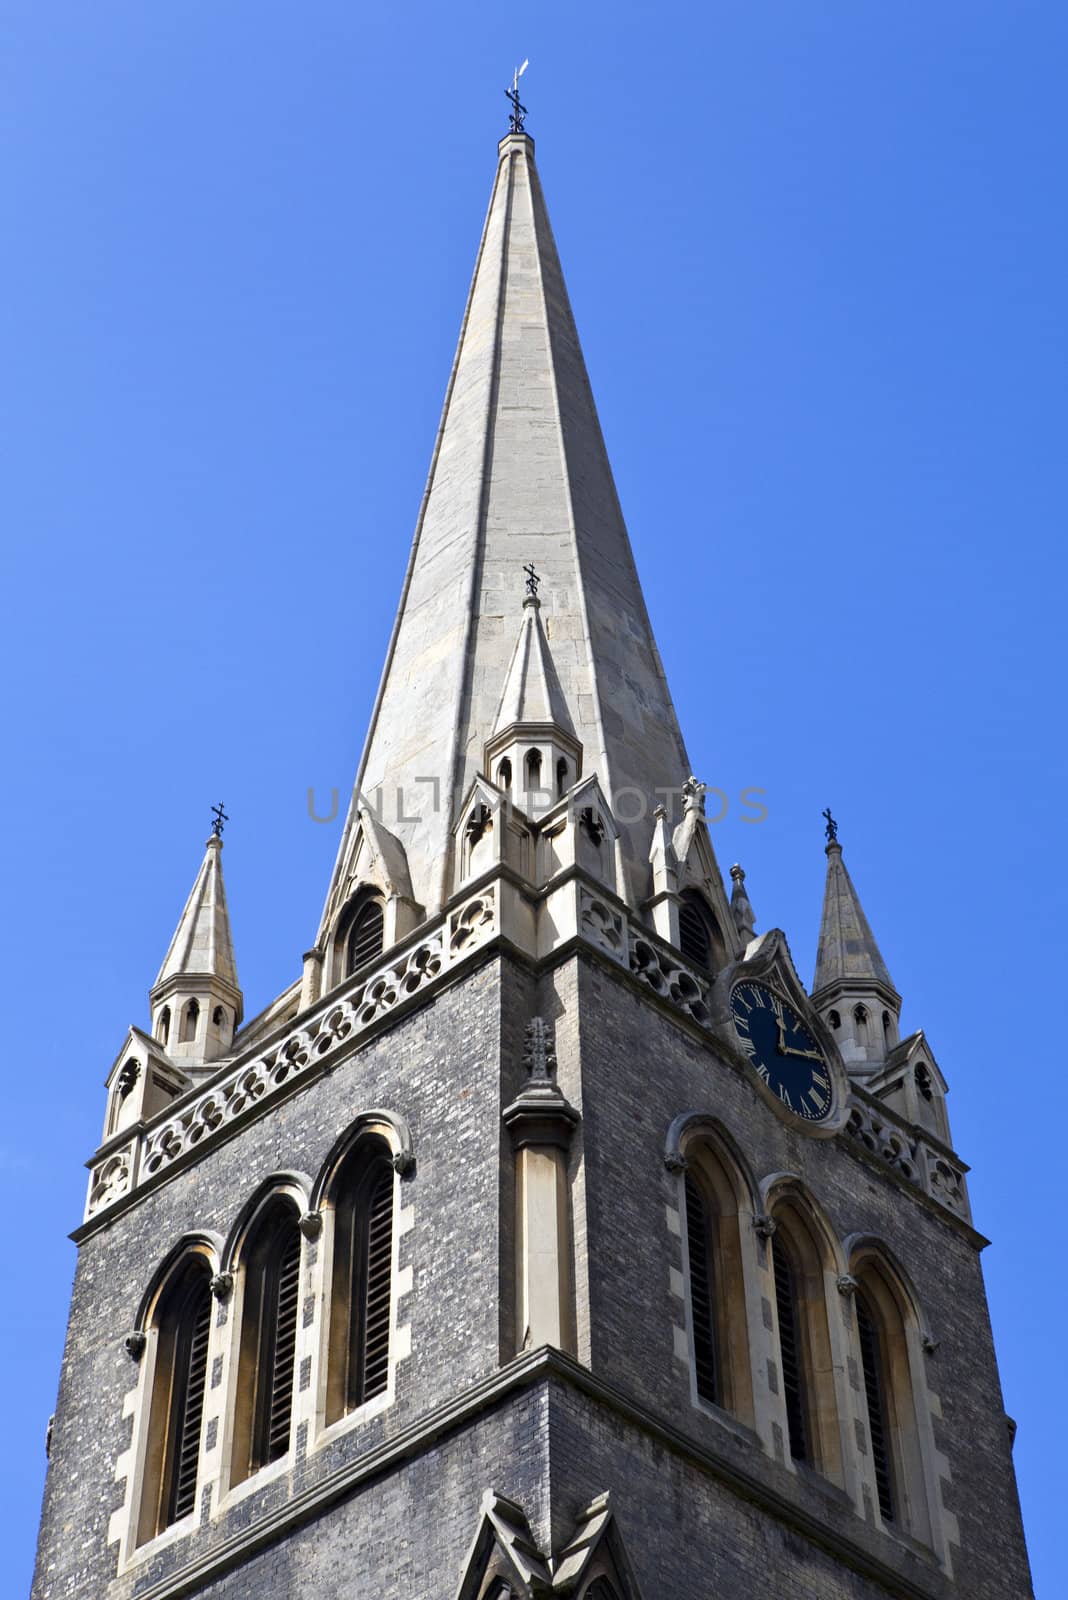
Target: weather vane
832 827
532 579
220 820
519 111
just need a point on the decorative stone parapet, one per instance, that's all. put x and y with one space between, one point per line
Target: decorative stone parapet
314 1044
910 1152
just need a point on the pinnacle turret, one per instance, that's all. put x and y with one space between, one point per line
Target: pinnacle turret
196 999
852 987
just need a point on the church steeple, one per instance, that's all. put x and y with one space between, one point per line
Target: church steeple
196 999
519 474
852 988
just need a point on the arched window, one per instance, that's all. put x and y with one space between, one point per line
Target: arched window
834 1020
218 1017
268 1340
163 1029
532 770
871 1356
699 936
703 1304
366 935
807 1362
716 1284
888 1027
361 1284
176 1407
791 1357
190 1019
561 778
504 774
891 1374
860 1023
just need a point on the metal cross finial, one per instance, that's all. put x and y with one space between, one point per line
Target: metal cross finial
519 112
832 827
532 579
219 822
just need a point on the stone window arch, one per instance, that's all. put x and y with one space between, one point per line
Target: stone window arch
190 1022
834 1020
163 1027
716 1296
803 1335
890 1359
532 771
860 1024
700 940
178 1329
360 1315
361 932
266 1357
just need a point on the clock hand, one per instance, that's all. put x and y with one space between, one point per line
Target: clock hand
807 1055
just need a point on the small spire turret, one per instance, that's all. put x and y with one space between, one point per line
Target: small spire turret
852 988
196 999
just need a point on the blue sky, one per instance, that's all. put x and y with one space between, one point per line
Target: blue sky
817 257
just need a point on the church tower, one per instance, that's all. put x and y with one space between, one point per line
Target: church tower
546 1236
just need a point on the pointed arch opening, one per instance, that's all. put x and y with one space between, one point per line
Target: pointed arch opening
860 1024
163 1027
806 1361
532 771
362 935
263 1413
715 1281
887 1332
190 1022
562 771
361 1295
700 939
181 1324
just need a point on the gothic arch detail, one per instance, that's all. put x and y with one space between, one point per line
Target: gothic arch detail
177 1337
899 1469
264 1337
717 1212
803 1258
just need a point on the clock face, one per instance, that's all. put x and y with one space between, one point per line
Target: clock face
782 1051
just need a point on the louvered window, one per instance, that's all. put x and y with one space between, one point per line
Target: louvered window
699 1225
278 1344
179 1376
698 933
790 1357
190 1379
361 1302
366 936
878 1427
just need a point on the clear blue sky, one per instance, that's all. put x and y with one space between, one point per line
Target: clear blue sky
817 256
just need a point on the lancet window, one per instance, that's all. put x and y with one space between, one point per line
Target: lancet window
182 1328
361 1286
365 936
267 1355
716 1287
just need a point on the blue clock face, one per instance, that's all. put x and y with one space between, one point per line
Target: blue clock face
781 1050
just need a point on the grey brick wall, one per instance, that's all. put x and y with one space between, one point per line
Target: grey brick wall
449 1068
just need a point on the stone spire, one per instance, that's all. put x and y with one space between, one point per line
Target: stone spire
196 999
852 988
519 474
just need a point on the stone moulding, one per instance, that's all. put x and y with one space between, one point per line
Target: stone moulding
317 1041
875 1557
313 1045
